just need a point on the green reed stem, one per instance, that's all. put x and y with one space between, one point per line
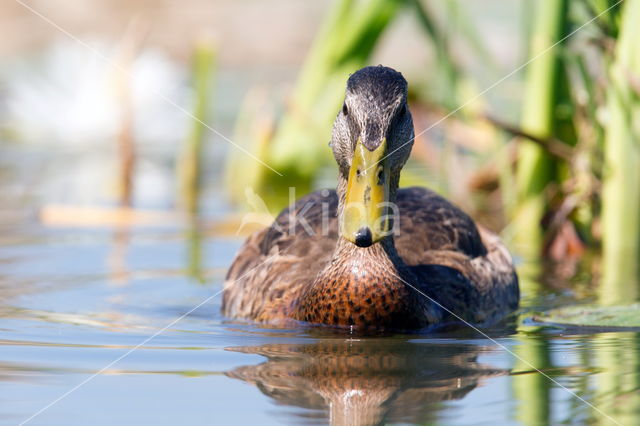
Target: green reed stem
190 162
621 186
536 167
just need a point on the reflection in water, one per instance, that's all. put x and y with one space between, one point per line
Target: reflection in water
194 253
618 386
117 258
367 381
532 391
600 386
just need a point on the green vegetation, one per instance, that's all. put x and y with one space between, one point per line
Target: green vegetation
566 176
621 186
531 389
617 393
536 167
190 166
595 316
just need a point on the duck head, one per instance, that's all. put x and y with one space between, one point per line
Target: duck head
371 141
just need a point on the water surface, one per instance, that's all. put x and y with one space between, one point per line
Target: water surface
124 327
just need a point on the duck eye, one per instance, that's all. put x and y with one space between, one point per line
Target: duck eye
345 110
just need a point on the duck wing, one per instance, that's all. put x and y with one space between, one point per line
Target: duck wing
429 222
274 265
463 267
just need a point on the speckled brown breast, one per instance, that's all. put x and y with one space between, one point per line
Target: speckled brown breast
361 288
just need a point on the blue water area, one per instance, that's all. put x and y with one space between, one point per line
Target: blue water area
123 326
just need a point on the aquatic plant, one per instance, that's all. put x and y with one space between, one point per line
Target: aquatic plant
621 175
536 168
190 160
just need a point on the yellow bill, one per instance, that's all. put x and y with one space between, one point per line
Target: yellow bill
365 220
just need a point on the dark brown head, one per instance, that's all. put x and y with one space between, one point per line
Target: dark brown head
372 140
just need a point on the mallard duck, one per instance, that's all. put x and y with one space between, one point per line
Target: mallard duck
370 255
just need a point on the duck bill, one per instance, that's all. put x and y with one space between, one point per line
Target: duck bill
364 219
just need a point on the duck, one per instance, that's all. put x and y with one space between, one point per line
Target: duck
369 255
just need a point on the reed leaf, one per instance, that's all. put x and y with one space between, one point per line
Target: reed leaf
536 168
621 185
189 166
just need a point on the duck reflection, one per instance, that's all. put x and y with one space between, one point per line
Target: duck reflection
368 381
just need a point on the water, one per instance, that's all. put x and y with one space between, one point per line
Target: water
100 326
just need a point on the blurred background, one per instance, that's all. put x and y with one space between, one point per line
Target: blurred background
141 141
204 109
